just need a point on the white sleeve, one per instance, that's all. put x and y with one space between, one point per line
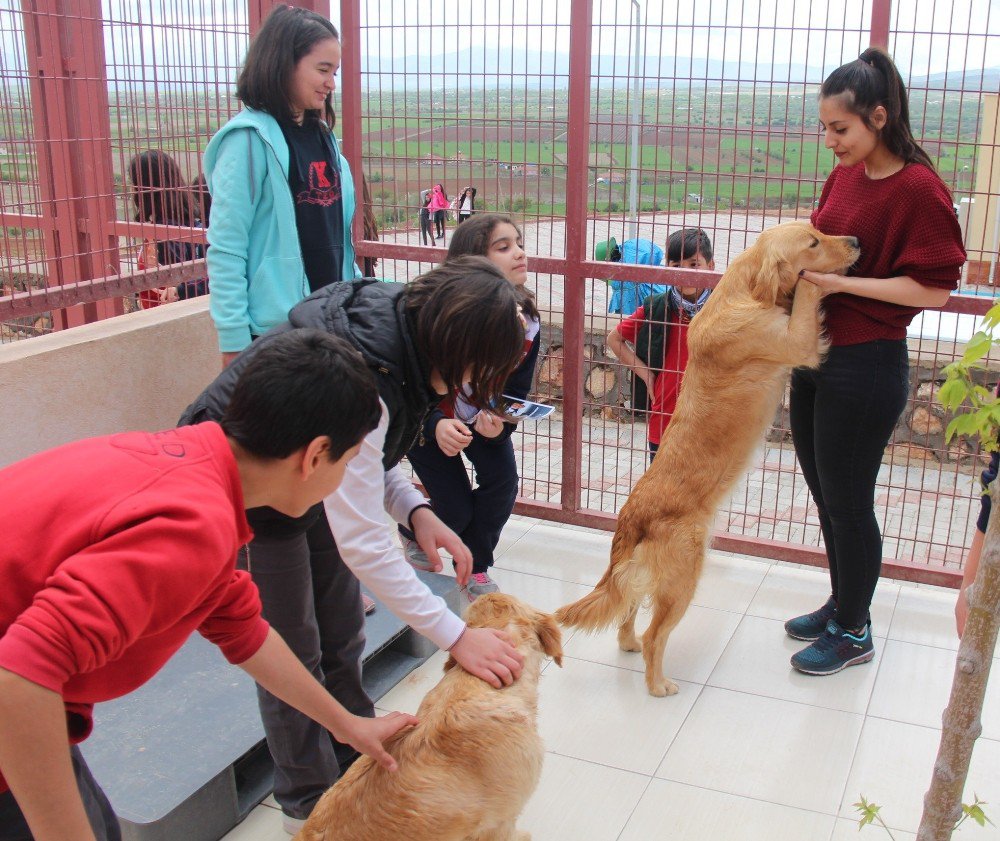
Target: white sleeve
356 512
401 498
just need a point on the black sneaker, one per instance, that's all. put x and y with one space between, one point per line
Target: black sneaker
812 625
835 650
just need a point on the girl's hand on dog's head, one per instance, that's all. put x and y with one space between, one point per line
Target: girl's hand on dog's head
488 654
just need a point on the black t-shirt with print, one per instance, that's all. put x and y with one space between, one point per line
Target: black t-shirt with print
314 179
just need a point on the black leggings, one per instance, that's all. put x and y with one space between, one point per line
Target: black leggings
439 222
842 417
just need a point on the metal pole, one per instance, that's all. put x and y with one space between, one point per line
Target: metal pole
637 54
575 290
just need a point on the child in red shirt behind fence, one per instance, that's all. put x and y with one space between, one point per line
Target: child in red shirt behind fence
652 342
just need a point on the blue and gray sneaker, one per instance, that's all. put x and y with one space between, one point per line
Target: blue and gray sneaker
835 650
812 625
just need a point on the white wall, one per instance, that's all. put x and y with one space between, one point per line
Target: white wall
136 371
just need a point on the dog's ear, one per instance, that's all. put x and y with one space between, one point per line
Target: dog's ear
550 636
771 273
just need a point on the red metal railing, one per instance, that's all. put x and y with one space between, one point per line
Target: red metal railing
585 118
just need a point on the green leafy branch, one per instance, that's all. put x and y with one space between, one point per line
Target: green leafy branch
870 814
959 386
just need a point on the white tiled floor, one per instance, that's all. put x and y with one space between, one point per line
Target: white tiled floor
748 750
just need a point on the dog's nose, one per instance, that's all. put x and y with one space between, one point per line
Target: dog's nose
854 242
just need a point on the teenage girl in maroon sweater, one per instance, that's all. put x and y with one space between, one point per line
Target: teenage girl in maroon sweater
884 191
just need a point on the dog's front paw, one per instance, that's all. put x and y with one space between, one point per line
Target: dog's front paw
661 688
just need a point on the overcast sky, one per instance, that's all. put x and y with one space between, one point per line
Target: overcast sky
821 34
816 33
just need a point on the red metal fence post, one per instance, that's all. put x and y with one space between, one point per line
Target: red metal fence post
350 103
577 150
258 10
881 14
72 133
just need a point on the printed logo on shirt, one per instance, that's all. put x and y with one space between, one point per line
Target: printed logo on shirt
324 189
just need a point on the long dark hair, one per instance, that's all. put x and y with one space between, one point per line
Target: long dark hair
473 237
872 80
283 40
464 316
159 191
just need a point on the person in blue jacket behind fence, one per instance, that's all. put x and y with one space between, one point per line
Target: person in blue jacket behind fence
626 296
282 193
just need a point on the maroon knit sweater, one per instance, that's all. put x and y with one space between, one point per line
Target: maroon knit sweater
906 226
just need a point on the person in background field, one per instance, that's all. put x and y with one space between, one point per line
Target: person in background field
282 193
657 331
161 196
439 207
149 525
885 191
454 326
466 204
456 426
426 233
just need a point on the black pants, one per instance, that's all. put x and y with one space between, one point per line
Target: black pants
426 232
476 515
103 821
439 222
842 417
313 601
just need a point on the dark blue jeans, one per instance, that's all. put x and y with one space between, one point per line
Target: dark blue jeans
13 826
477 515
842 417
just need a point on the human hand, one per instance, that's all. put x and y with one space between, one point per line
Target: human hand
826 283
649 378
228 357
368 735
432 534
168 294
488 654
452 436
488 425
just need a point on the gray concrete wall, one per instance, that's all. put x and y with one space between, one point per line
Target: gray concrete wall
137 371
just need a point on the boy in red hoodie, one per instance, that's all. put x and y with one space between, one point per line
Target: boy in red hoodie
117 548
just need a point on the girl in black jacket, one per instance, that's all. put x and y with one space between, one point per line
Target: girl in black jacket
478 514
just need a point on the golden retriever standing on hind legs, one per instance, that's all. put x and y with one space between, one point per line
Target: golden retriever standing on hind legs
759 323
470 765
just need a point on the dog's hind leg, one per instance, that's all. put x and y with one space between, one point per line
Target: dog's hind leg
667 612
627 640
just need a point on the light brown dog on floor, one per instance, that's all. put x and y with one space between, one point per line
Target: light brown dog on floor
742 345
466 771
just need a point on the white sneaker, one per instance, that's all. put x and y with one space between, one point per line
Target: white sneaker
416 556
292 825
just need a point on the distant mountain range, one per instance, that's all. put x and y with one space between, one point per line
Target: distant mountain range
532 69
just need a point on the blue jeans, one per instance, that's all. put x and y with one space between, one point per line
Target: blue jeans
842 417
13 826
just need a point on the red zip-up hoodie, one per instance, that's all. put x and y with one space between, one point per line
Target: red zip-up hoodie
114 551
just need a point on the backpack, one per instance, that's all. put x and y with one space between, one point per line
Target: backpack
626 297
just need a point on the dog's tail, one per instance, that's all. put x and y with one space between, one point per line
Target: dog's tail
617 591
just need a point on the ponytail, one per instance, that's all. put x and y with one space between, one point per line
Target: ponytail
872 80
